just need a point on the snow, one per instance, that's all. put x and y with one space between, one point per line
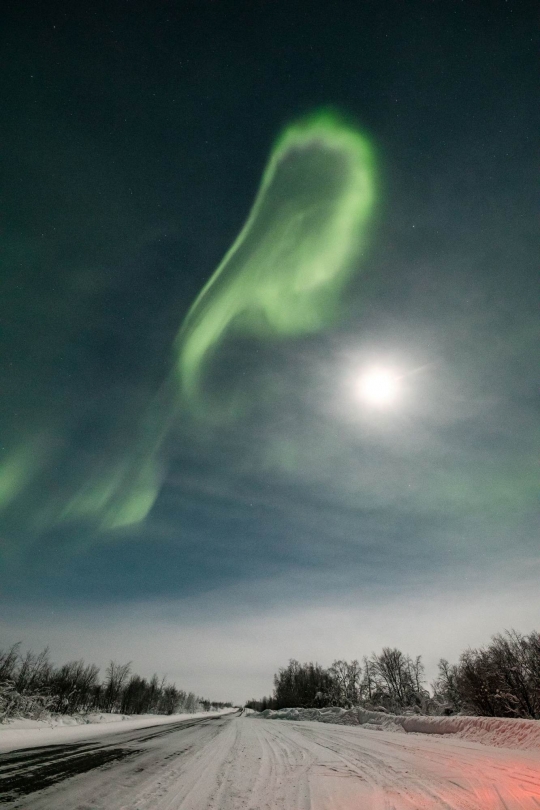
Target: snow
239 763
495 731
62 729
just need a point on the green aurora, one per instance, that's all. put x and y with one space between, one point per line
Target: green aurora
301 241
281 277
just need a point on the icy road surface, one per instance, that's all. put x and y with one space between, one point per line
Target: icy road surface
234 763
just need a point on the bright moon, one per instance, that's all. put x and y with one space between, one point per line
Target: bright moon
378 387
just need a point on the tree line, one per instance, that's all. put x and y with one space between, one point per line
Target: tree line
501 679
32 686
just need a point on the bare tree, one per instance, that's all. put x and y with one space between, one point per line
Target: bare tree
8 662
446 688
368 684
398 679
192 703
503 679
34 673
302 685
30 686
74 686
115 680
345 688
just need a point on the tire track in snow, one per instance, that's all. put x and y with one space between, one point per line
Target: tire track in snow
243 763
425 772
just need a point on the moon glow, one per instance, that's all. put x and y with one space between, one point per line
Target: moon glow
378 387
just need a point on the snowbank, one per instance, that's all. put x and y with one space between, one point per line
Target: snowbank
56 720
496 731
70 728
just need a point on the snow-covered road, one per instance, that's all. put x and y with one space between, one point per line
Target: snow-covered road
233 762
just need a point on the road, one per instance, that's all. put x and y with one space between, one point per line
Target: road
244 763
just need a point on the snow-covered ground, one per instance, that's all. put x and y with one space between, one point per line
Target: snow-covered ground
495 731
65 729
247 763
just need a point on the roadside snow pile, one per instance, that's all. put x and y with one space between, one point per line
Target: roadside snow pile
496 731
501 732
55 720
24 733
333 714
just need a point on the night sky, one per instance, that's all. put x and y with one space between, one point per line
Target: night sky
276 513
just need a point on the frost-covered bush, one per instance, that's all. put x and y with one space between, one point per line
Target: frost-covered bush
502 679
32 687
499 680
15 704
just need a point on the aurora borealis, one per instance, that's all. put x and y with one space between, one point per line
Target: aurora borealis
215 220
302 239
282 276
